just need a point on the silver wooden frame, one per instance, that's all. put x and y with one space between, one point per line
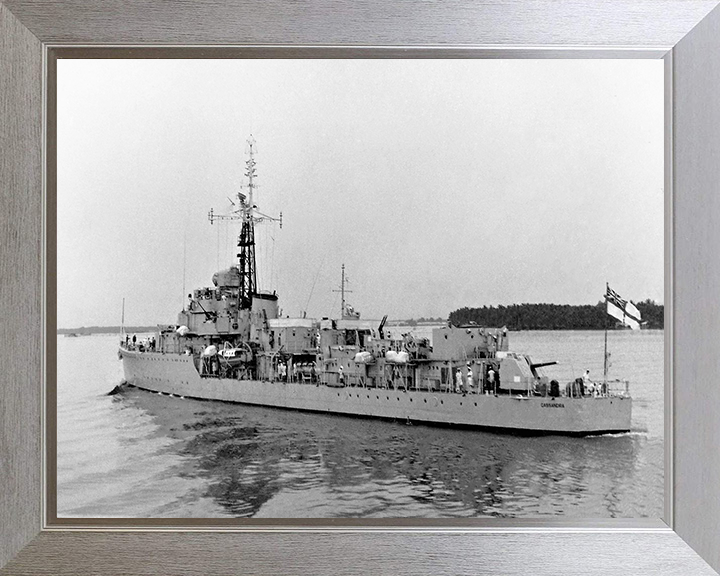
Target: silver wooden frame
686 33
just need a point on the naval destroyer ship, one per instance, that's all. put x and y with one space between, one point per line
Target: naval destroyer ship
230 344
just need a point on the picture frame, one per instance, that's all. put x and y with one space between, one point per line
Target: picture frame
686 34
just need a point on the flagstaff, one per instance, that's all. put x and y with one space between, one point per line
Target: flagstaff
605 354
624 311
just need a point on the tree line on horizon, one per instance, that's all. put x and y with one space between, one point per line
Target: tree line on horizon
554 316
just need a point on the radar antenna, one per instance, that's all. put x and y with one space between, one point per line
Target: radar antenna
246 211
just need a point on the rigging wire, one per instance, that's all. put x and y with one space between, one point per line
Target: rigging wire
182 302
218 247
333 305
265 267
273 276
259 260
227 257
263 260
312 289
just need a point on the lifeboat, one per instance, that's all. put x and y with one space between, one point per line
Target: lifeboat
236 355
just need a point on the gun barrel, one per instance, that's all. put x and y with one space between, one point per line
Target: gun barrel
541 364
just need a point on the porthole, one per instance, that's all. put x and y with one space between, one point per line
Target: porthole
425 400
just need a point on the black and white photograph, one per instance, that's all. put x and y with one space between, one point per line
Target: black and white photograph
362 288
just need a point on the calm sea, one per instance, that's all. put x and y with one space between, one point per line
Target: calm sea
139 454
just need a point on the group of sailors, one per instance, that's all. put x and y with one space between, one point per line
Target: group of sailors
148 344
469 384
301 372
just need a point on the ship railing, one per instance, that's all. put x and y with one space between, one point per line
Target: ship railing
607 388
617 387
139 347
576 389
302 377
357 380
386 381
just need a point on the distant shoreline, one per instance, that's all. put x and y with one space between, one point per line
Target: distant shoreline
87 331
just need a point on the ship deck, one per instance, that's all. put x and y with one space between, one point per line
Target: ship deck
176 375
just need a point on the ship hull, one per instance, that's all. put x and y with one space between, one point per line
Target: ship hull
176 374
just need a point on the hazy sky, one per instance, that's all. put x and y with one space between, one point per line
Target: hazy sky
439 183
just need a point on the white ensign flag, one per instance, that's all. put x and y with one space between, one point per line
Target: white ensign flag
623 310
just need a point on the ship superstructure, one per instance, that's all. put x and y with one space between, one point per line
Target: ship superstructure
230 344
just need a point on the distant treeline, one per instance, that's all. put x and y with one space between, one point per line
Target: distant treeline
554 316
106 330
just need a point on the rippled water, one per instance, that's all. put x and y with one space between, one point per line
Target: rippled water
139 454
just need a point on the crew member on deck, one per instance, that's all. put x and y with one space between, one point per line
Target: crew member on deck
491 380
588 384
458 380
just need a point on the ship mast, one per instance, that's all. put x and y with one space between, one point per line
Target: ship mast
606 355
249 215
246 241
346 312
342 291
